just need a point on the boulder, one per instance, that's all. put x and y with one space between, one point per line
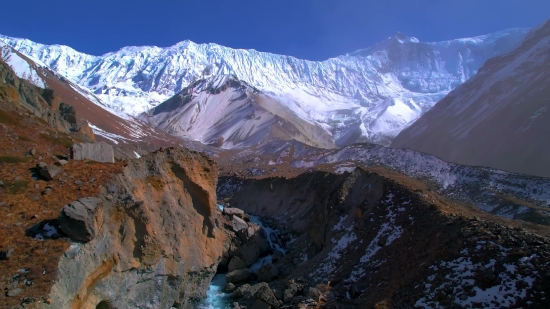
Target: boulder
244 291
277 256
288 296
61 162
236 263
47 171
100 152
249 253
260 291
230 287
233 212
238 224
239 275
268 273
265 294
313 293
255 239
79 219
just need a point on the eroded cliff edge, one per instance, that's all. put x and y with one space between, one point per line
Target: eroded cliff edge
157 241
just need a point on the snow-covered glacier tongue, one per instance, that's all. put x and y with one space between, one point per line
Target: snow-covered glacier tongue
368 95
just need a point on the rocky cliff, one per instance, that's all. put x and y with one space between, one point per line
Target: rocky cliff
157 238
42 102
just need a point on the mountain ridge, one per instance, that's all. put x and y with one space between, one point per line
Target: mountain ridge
367 98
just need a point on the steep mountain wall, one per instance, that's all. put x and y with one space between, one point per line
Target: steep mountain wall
497 119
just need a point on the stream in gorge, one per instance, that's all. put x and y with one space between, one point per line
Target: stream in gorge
216 297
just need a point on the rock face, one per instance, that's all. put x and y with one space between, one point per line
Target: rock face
34 95
157 243
80 219
100 152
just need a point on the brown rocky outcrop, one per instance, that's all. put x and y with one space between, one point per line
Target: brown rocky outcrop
158 239
43 103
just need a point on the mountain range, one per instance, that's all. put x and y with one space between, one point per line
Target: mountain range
366 96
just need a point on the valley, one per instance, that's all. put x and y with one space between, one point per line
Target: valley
200 176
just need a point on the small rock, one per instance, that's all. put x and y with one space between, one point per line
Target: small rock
314 294
277 255
238 224
267 273
46 171
265 294
239 275
47 191
230 287
235 263
111 189
233 212
61 162
288 296
32 152
14 292
78 183
72 251
5 254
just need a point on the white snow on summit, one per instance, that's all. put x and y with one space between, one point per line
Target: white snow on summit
20 66
369 95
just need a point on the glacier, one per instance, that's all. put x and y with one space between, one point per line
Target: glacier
369 95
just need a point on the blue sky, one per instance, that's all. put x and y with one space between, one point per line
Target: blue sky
310 29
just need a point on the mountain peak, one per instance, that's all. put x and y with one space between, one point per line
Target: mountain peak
402 38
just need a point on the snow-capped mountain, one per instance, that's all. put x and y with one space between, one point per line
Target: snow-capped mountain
226 112
129 134
500 118
20 66
368 95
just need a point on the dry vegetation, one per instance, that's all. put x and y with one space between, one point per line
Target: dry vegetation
32 263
